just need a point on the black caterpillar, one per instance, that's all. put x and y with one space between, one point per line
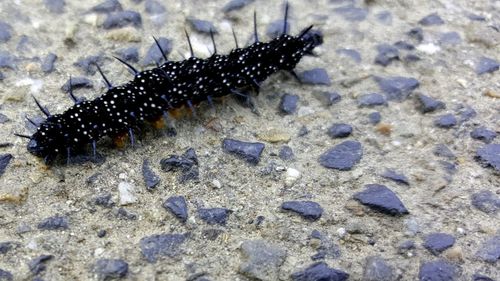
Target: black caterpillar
174 84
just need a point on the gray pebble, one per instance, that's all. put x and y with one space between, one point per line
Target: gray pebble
416 33
381 198
122 19
320 271
308 210
438 242
288 104
405 246
315 76
396 177
402 45
397 87
104 200
450 38
371 100
54 6
76 83
326 249
187 163
7 60
384 17
37 265
107 6
342 156
2 76
177 206
352 13
486 201
154 54
248 151
442 150
6 275
489 155
351 53
327 98
154 7
235 5
6 247
101 233
377 269
88 64
4 162
490 250
466 113
340 130
432 19
483 134
286 153
54 223
108 269
161 245
129 54
202 26
213 216
445 121
386 54
125 214
5 31
374 117
438 270
480 277
150 178
262 260
428 104
486 65
48 63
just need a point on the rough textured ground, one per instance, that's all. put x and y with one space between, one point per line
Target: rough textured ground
448 192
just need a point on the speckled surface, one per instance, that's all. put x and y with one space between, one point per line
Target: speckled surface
439 197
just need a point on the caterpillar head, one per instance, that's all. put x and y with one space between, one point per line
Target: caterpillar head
46 141
312 39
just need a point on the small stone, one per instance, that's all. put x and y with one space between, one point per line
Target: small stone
308 210
154 54
187 163
386 54
427 104
248 151
450 38
466 113
54 6
4 162
342 156
352 13
37 265
320 271
88 64
101 233
351 53
486 201
104 200
122 19
438 270
340 130
150 178
288 104
201 26
48 63
130 54
442 150
490 250
445 121
5 275
370 100
374 118
405 246
381 198
438 242
480 277
54 223
326 249
111 268
396 177
303 131
76 83
161 245
177 206
107 6
416 33
483 134
377 269
486 65
384 17
489 155
286 153
154 7
432 19
235 5
125 214
275 28
397 87
261 260
402 45
5 32
126 193
7 60
214 215
6 247
315 76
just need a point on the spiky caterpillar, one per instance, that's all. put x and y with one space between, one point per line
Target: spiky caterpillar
172 85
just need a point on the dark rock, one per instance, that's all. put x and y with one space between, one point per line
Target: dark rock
432 19
382 199
262 260
7 60
154 7
342 156
483 134
397 87
211 233
48 63
427 104
480 277
328 98
37 265
4 162
402 45
76 83
177 206
352 13
450 38
386 54
125 214
490 250
438 242
374 118
288 104
370 100
150 178
54 223
6 247
489 155
486 65
187 163
442 150
377 269
160 245
107 6
384 17
5 32
340 130
5 275
104 200
475 17
88 64
214 215
130 54
122 19
438 270
54 6
154 54
308 210
101 233
396 177
416 33
202 26
448 167
326 249
235 5
275 28
248 151
351 53
108 269
405 246
486 201
466 113
315 76
445 121
286 153
303 131
2 76
320 271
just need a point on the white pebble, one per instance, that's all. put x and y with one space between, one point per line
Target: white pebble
216 183
292 175
428 48
341 232
127 193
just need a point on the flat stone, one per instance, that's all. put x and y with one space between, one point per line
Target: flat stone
396 177
235 5
374 118
38 264
201 26
7 60
480 277
438 242
432 19
104 200
342 156
382 199
177 206
154 7
442 150
328 98
127 193
5 247
377 269
107 6
315 76
384 17
486 201
4 162
308 210
125 214
416 33
6 275
327 247
490 250
161 245
386 54
130 54
288 104
403 45
446 121
352 13
151 179
340 130
5 31
320 271
122 19
48 63
54 6
371 100
108 269
438 270
248 151
214 215
187 163
286 153
486 65
88 64
489 156
54 223
261 260
483 134
426 104
154 54
3 118
350 53
397 88
76 83
450 38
